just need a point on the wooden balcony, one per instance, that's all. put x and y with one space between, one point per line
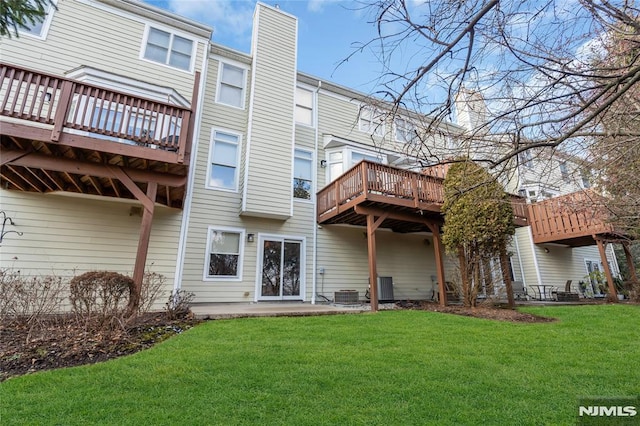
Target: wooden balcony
63 135
574 219
409 195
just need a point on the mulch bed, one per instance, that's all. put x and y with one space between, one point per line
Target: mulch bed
487 312
64 344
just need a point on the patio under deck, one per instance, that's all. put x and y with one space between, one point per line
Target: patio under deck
579 219
62 135
375 195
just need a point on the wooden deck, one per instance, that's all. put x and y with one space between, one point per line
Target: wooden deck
63 135
574 219
408 195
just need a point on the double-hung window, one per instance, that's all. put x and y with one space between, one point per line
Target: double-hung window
304 106
169 49
224 253
405 130
223 161
302 174
231 85
371 121
564 171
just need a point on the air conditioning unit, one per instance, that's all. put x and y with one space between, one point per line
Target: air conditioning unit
385 289
346 297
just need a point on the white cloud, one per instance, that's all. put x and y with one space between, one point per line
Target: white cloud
319 5
228 16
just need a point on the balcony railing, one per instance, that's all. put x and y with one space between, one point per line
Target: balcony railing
68 104
368 181
575 215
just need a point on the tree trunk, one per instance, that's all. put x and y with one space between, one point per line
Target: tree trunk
464 275
506 277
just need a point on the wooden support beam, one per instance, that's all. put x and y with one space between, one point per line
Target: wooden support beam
66 165
613 294
64 102
148 200
438 250
373 269
9 156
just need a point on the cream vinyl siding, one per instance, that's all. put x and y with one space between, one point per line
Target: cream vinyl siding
526 255
243 291
84 35
342 252
67 235
268 181
564 263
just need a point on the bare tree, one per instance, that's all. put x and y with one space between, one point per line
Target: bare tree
533 61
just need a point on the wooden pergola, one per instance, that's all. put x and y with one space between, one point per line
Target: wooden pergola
59 134
379 196
580 219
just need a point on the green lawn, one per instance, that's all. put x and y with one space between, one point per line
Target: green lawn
390 368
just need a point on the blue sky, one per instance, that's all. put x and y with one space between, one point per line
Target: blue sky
327 31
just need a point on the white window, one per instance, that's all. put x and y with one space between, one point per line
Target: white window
526 159
39 29
231 82
371 121
405 130
586 179
302 174
304 106
340 161
224 254
168 49
564 171
223 161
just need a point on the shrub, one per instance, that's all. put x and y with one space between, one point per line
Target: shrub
178 304
100 295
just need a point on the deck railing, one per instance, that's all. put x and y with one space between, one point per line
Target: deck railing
372 179
64 103
569 216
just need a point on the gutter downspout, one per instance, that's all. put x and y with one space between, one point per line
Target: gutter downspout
314 280
186 213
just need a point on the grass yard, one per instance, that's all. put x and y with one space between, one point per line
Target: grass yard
390 368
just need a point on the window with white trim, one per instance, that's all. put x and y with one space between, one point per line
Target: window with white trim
231 85
526 159
304 106
39 29
223 161
564 171
371 121
168 49
224 253
405 130
339 161
302 174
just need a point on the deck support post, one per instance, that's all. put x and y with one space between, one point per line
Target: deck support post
613 295
439 255
143 246
372 225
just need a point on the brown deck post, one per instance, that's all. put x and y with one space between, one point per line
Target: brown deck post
143 246
373 270
438 251
613 295
64 102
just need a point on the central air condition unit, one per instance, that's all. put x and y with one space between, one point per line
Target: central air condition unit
346 297
385 289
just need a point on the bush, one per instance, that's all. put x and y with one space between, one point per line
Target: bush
29 300
100 296
178 304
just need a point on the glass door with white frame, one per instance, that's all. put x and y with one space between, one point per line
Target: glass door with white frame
282 271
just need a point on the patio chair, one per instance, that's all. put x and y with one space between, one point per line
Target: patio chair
519 291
